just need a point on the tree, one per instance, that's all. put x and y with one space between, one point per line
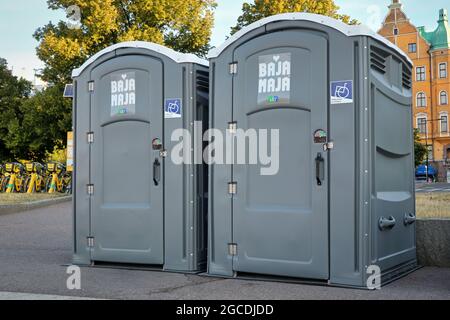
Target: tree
45 120
420 151
13 93
253 12
184 25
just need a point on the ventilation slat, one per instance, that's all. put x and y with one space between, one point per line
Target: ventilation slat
374 67
202 81
378 64
378 59
406 77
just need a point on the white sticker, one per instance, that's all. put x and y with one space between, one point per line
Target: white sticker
123 94
274 79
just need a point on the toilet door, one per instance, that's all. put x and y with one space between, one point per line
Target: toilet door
280 221
126 173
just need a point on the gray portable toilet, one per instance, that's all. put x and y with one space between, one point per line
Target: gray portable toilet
342 202
131 205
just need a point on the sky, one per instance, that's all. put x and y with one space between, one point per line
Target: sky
20 18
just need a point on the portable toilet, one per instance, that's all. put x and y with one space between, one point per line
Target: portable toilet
131 204
341 206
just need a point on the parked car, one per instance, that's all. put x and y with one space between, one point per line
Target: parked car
421 172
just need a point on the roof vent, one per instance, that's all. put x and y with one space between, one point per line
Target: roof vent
406 77
202 80
378 59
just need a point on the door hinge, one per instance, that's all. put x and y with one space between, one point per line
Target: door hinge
90 137
232 249
91 86
328 146
232 187
232 127
90 242
90 189
233 68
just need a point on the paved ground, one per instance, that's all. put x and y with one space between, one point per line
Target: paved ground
423 187
35 245
30 296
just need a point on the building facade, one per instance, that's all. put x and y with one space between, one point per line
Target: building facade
430 53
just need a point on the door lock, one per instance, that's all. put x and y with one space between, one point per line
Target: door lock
163 153
328 146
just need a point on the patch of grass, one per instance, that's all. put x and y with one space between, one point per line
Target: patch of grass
19 198
433 205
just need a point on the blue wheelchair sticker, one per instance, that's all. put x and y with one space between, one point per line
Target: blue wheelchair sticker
341 92
173 109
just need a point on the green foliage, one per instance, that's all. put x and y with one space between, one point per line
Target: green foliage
58 155
32 128
13 93
184 25
46 120
420 150
38 125
252 12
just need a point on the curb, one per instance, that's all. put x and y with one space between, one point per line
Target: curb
15 208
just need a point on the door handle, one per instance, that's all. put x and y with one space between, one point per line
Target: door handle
320 169
387 223
409 219
156 172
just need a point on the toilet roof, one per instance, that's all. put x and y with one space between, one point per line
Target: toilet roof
349 30
175 56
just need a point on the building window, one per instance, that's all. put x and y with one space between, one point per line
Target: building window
421 100
422 125
396 31
444 123
420 74
412 48
443 98
443 70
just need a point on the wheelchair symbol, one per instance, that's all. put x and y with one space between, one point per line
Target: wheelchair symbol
342 91
173 107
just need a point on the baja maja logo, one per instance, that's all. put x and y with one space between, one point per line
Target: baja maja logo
274 83
123 94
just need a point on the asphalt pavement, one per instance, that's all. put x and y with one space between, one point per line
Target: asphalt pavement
35 248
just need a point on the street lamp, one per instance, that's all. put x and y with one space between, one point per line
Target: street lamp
426 143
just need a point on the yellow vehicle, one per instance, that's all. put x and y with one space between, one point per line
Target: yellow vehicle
56 178
14 180
35 180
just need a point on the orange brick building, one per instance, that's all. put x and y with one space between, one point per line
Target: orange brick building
430 53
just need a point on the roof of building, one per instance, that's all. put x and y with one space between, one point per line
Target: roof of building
175 56
439 38
395 14
348 30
